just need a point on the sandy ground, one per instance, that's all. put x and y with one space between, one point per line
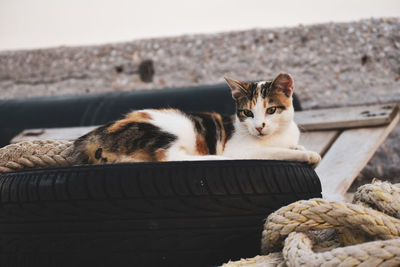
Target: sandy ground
335 64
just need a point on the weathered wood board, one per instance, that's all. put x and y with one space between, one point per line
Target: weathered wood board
70 133
348 155
318 141
348 117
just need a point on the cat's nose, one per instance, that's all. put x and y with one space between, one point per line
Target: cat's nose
259 129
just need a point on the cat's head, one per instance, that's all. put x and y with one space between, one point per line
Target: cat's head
263 108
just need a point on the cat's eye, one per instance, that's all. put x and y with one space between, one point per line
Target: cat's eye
248 113
271 110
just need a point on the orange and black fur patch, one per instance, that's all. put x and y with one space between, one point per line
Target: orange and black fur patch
211 129
138 116
135 138
124 141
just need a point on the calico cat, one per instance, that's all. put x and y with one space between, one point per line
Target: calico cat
263 128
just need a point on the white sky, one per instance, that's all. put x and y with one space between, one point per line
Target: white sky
46 23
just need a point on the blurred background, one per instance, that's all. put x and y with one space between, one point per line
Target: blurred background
45 23
340 52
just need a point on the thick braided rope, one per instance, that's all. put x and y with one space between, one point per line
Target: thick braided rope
36 154
270 260
380 195
297 221
317 214
298 252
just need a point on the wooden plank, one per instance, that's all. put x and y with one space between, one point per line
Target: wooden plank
318 141
70 133
347 157
348 196
348 117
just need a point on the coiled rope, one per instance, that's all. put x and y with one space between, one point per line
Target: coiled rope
368 231
37 154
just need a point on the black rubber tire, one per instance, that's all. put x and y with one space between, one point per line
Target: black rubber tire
145 214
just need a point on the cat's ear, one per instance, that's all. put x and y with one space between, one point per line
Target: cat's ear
238 88
283 83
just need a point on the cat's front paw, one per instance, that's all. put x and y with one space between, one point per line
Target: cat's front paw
313 158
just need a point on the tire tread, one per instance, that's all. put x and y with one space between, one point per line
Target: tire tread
163 214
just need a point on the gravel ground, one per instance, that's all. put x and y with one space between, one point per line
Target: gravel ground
334 64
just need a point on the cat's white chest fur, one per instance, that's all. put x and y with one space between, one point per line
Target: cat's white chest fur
282 146
245 146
